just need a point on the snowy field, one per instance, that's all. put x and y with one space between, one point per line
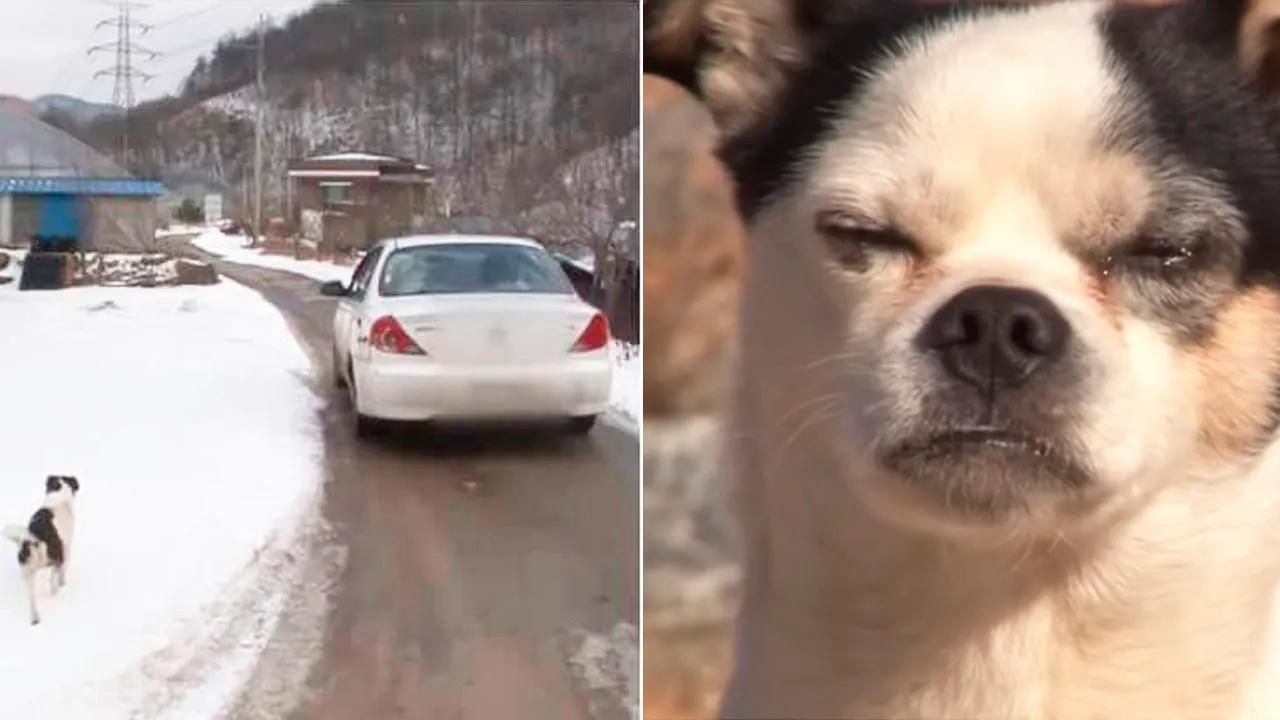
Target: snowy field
179 229
186 416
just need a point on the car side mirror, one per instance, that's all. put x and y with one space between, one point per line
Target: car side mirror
333 288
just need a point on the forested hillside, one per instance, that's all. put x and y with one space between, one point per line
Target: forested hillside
528 111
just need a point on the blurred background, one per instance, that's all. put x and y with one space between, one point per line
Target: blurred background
693 262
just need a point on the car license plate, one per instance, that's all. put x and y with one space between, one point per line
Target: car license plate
500 390
498 337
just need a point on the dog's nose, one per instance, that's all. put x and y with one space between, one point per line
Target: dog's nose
992 336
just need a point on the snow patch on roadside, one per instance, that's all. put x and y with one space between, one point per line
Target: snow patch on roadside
209 670
186 414
627 396
180 229
609 665
232 248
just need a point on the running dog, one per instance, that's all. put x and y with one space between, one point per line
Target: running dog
1009 384
46 540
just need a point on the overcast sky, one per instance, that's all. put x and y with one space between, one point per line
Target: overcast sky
43 45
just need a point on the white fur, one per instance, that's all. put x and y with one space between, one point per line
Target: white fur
1162 603
849 614
62 504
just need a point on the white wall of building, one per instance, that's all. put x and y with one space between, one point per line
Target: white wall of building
6 220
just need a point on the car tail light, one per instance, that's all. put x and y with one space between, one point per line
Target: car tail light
386 334
594 337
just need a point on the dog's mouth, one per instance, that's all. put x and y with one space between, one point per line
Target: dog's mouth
985 470
970 440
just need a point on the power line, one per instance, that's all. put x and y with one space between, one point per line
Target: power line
187 16
70 59
208 42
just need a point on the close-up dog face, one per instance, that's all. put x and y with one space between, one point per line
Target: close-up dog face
1046 232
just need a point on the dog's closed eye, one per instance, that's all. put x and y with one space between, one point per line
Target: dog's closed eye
1156 254
851 241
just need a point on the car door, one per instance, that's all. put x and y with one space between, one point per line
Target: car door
346 315
357 322
341 320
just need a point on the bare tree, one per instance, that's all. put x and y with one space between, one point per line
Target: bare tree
593 203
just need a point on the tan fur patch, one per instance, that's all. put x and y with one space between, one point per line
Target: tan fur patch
1238 368
756 44
674 34
1257 35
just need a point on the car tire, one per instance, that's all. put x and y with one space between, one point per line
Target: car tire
366 427
339 380
582 424
350 382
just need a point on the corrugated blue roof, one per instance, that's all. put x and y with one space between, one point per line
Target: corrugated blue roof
80 186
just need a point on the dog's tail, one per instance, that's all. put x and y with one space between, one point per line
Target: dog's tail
17 533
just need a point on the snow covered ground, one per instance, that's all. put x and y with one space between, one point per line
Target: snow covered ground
186 415
179 229
628 391
232 249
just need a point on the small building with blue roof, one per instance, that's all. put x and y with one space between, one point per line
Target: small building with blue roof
58 193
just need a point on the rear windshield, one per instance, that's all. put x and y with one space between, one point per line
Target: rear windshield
472 268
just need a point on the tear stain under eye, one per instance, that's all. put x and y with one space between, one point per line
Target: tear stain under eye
920 271
919 276
1096 290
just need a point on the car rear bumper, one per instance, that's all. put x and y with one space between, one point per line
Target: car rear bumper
414 389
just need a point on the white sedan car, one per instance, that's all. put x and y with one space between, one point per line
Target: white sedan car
467 327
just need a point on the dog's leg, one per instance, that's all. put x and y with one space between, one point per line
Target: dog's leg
31 596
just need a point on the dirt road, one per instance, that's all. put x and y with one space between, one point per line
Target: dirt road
473 575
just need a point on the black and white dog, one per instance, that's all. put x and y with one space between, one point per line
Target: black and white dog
1007 419
46 540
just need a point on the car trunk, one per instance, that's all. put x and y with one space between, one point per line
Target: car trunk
492 329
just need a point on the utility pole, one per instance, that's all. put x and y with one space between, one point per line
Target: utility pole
257 133
123 70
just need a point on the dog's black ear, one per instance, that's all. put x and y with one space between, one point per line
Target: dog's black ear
73 482
1247 29
52 483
